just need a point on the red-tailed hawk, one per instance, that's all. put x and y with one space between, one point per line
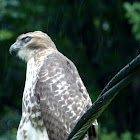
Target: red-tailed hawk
54 96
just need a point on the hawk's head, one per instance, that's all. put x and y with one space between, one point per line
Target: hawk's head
28 44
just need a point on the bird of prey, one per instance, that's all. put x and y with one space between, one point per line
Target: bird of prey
54 96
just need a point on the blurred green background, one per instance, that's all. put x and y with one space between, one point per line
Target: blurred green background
99 36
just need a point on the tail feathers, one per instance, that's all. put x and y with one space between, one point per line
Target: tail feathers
92 133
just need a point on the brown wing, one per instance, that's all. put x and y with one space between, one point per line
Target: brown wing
63 97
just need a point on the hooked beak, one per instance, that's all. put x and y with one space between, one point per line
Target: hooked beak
14 47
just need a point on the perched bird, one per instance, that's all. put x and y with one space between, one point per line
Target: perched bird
54 96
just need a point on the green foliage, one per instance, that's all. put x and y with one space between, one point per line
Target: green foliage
8 135
105 135
9 121
137 136
126 136
5 34
133 15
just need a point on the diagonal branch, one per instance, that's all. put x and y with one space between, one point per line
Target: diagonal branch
119 81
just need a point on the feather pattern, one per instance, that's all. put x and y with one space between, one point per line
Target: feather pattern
63 97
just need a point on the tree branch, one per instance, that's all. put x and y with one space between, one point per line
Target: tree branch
119 81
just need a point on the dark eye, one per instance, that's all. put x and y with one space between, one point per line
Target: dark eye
26 39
